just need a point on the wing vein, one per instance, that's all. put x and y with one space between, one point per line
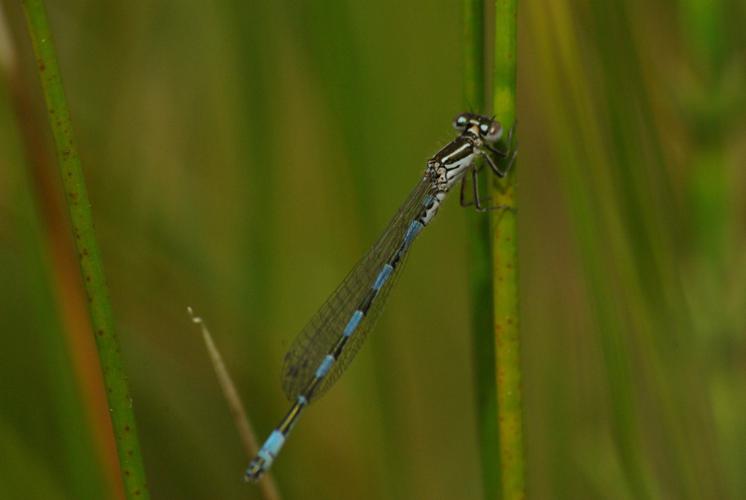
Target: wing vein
325 328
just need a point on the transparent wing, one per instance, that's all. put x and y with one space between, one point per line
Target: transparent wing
325 328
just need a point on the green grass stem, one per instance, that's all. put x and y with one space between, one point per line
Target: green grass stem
505 266
483 344
92 270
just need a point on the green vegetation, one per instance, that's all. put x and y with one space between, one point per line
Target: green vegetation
240 157
91 266
483 341
504 232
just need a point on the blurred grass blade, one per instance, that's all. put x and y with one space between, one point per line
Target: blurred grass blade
120 402
39 271
483 343
559 49
267 487
505 266
27 471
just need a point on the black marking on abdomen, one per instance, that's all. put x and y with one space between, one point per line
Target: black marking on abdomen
368 300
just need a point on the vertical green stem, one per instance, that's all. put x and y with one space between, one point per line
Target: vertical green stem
505 267
483 344
117 391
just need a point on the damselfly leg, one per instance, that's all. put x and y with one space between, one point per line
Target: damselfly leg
506 156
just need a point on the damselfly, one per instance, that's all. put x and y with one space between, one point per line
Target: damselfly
325 347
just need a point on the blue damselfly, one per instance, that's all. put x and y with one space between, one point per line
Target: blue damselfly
325 347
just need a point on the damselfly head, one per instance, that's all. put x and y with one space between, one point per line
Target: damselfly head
488 129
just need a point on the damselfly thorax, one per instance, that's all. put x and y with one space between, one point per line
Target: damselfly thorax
478 135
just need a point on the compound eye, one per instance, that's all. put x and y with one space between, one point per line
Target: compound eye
460 122
484 128
494 132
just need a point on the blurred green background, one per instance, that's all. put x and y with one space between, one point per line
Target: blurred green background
241 156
